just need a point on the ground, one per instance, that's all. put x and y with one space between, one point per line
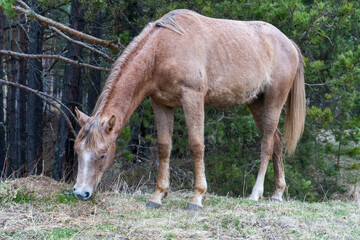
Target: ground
40 208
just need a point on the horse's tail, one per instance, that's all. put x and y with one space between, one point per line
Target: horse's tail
295 108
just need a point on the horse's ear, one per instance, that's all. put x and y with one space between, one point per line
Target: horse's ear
110 124
83 118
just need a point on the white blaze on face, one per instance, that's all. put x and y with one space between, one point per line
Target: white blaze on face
86 157
84 180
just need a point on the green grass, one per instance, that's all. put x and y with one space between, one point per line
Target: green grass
109 215
62 233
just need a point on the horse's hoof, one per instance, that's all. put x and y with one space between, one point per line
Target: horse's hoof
152 205
274 199
193 207
254 198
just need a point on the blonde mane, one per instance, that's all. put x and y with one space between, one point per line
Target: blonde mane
168 21
128 54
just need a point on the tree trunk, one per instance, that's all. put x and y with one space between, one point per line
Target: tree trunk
2 126
95 76
12 161
65 156
34 116
16 106
21 105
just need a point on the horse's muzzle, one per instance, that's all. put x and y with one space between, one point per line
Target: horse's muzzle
81 195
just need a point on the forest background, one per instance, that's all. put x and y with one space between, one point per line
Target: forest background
47 69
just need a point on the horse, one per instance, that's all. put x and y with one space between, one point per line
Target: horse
187 60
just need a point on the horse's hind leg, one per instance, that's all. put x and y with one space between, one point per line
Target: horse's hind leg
164 117
266 114
279 174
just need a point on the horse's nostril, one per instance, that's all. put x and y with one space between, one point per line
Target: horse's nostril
87 194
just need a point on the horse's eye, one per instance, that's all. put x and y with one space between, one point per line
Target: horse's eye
102 156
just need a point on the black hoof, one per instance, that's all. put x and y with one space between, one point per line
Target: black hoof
275 199
152 205
193 207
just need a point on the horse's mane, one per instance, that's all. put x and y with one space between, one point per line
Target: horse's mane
120 64
91 133
168 21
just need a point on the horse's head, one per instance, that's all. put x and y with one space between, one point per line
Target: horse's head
95 147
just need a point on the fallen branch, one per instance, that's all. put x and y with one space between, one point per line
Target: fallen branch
23 8
49 99
58 57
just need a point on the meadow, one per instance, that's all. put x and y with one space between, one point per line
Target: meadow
41 208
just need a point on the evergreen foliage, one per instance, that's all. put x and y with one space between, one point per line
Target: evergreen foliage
328 35
327 32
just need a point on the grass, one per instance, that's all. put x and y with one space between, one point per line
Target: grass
40 208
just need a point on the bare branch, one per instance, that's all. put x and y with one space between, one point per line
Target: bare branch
36 92
23 8
55 61
317 84
59 102
23 4
58 57
104 55
47 99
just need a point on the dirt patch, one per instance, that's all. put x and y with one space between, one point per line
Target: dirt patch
40 185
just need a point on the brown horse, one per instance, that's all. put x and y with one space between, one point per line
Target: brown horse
188 60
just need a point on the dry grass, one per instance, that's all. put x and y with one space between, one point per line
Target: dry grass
40 208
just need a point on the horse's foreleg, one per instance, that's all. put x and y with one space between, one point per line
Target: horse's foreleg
279 174
193 105
164 117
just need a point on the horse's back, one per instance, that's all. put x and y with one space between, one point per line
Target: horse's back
233 61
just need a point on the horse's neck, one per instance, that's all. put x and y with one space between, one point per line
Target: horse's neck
133 86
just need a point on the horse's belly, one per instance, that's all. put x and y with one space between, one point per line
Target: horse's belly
227 93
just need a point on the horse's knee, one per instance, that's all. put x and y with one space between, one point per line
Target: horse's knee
164 150
196 150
